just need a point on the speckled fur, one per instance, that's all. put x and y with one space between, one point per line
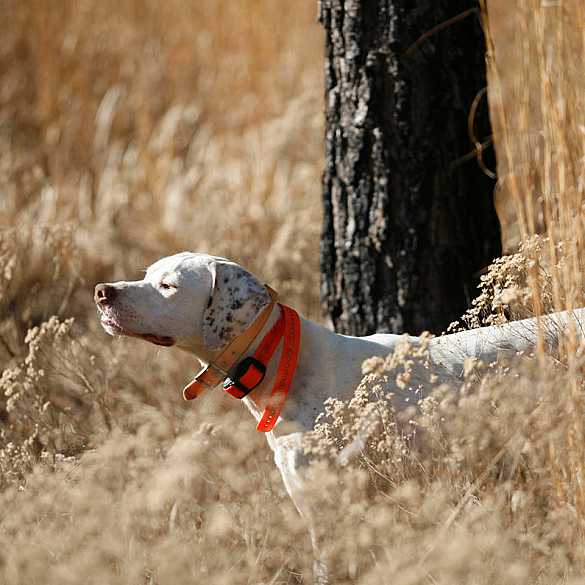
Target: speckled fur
236 299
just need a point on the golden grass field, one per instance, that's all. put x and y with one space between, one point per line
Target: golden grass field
131 130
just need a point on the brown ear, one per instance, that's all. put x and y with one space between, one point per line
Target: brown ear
236 299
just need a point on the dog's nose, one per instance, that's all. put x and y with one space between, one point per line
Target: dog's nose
104 294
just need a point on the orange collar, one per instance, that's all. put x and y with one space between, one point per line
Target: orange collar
291 331
241 376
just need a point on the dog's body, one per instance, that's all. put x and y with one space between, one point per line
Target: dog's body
200 303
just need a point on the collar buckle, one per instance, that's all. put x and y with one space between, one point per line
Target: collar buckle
246 376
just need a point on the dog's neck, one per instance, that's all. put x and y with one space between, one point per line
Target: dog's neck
257 399
295 415
315 379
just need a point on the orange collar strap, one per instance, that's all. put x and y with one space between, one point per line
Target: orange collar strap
240 377
286 369
250 371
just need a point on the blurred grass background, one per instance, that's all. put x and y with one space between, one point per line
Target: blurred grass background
149 128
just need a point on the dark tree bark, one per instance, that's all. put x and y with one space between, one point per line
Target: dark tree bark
409 220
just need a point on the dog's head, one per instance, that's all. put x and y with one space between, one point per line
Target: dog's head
195 301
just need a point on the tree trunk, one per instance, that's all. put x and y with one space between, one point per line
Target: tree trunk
409 220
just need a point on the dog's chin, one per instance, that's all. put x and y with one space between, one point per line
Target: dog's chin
115 329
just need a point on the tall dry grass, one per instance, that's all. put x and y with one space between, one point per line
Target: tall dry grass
131 130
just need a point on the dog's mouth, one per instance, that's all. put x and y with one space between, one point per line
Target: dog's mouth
111 326
114 328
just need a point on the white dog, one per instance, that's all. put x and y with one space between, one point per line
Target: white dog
220 313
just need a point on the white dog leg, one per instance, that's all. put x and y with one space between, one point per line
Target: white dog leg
292 461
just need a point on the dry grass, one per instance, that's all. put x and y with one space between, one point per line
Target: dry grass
129 130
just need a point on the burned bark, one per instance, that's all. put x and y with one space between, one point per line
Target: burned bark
409 219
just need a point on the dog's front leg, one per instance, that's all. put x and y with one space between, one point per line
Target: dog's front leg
292 463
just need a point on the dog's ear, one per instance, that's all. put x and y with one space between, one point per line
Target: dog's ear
236 299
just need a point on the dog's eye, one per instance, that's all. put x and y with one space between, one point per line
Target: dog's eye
166 286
